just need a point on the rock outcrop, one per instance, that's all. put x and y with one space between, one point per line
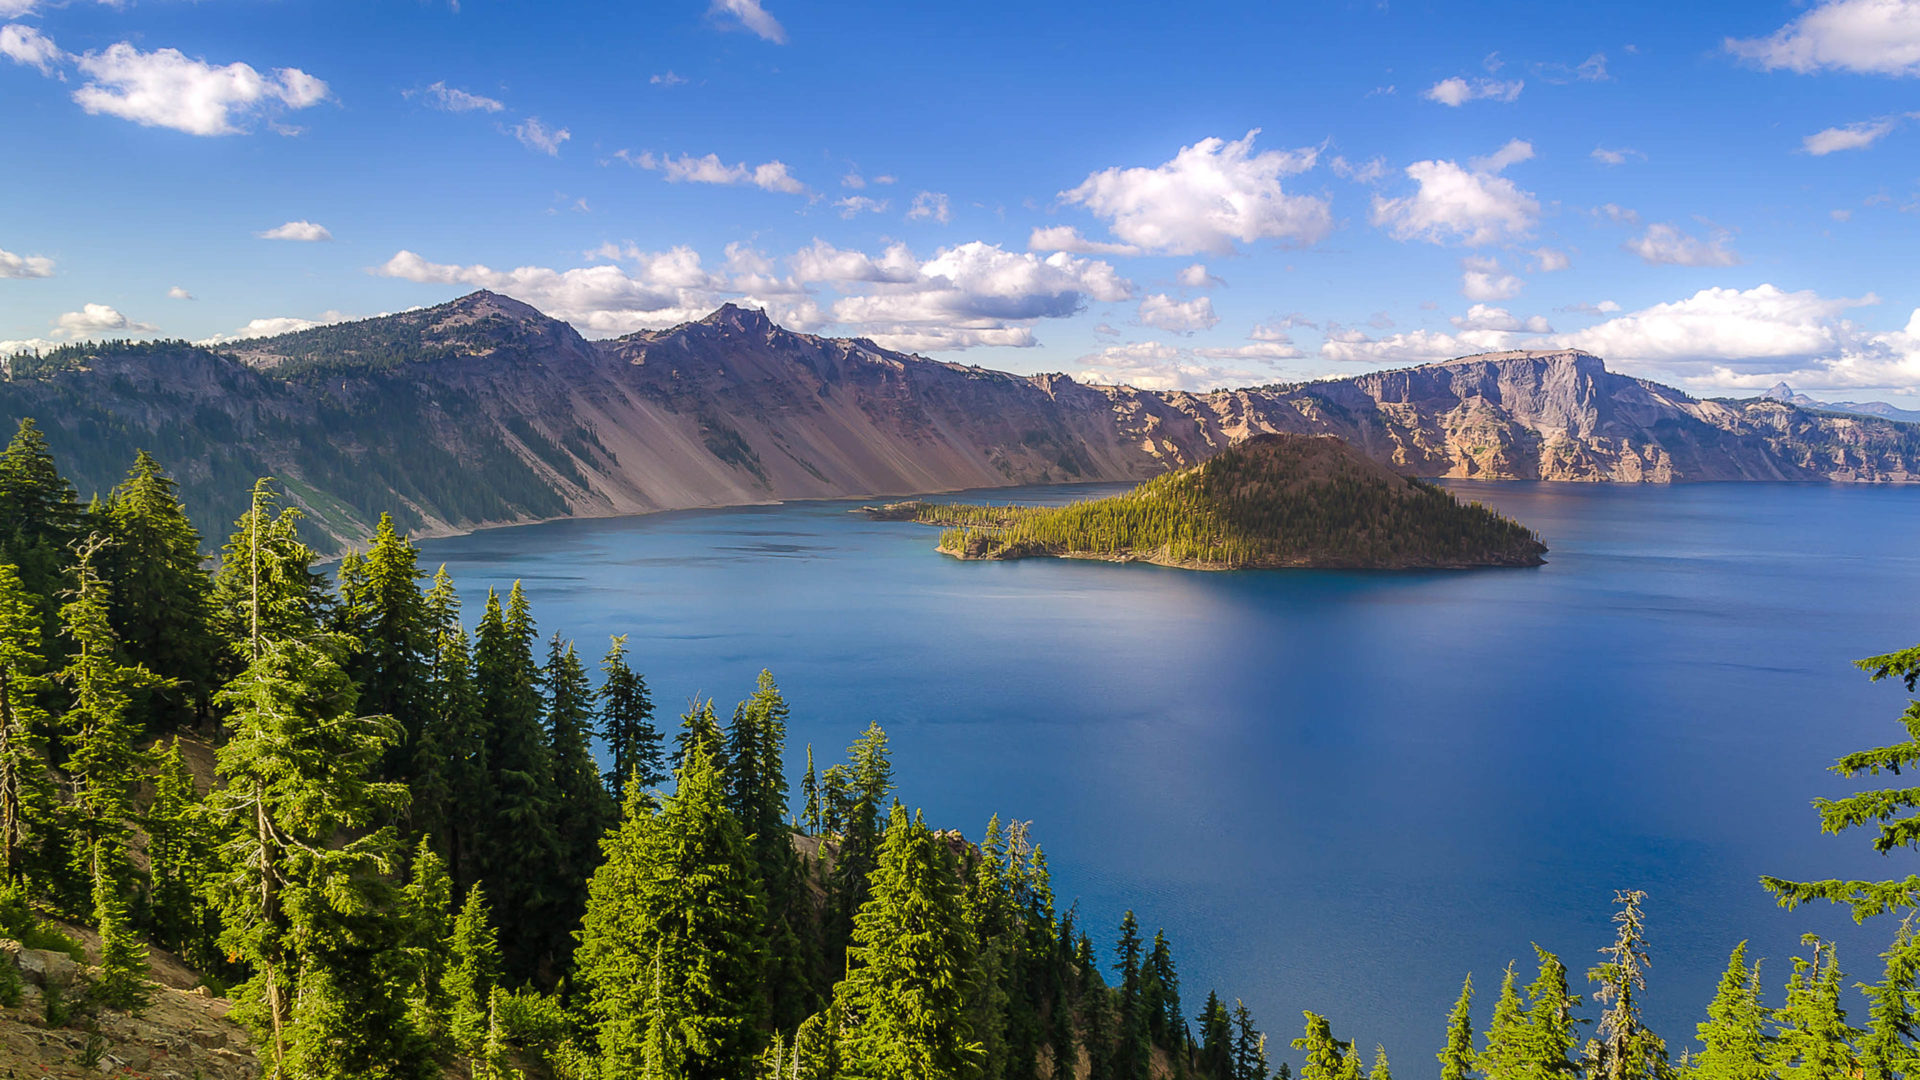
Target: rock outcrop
483 411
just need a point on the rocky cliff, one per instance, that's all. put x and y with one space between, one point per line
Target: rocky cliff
484 411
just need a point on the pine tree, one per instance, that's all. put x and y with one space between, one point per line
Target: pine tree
1887 1047
626 722
1457 1057
1812 1040
1250 1049
472 973
810 815
1216 1040
161 591
39 519
522 849
452 802
180 854
1733 1040
699 725
123 957
382 608
1549 1038
757 793
1133 1047
1504 1056
1160 998
1326 1056
1380 1070
1623 1048
266 587
582 812
670 950
902 1002
26 798
426 911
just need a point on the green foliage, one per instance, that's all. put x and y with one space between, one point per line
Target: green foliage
26 788
122 983
1456 1056
1275 501
182 843
266 587
1326 1056
1622 1047
39 518
472 973
1733 1039
626 723
582 810
452 792
162 595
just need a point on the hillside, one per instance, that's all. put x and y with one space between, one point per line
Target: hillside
483 411
1272 501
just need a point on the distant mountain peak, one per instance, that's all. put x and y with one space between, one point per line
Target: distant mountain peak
1780 392
751 319
484 302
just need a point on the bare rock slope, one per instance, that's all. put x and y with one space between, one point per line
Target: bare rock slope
484 411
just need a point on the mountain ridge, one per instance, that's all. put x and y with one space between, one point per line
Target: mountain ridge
483 411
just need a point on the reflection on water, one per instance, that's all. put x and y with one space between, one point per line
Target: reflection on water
1335 790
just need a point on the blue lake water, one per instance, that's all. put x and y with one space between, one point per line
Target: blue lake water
1339 791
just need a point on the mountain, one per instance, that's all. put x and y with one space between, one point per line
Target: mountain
483 411
1782 392
1268 502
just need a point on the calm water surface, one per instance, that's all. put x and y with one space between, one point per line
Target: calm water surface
1338 791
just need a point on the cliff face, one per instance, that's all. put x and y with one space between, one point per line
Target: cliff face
483 411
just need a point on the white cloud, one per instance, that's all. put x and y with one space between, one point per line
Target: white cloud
855 205
1067 238
97 319
452 99
1483 279
1366 172
667 78
535 135
824 262
1879 37
687 169
1156 365
974 294
1665 245
1618 214
24 266
1620 156
8 349
274 326
27 46
1604 307
1182 317
303 231
166 88
749 14
1547 260
1197 277
600 300
1486 317
930 204
1209 196
1456 91
1856 136
178 293
1412 347
1473 206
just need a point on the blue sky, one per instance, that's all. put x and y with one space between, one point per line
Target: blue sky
1717 195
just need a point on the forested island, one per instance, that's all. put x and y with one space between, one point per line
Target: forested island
1271 502
254 821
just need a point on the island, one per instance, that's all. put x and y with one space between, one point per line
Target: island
1274 501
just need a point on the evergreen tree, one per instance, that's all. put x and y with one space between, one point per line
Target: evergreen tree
161 609
426 908
1623 1048
123 957
835 800
902 1003
1504 1057
382 608
670 950
1380 1070
1733 1040
1457 1057
699 725
582 812
472 973
181 851
1160 998
451 800
757 793
522 848
39 519
1326 1056
1887 1046
626 723
1250 1049
1550 1038
1216 1040
810 815
1812 1040
1133 1047
26 798
266 587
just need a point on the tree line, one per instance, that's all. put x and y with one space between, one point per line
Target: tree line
391 840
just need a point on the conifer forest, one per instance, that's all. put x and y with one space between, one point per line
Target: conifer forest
409 840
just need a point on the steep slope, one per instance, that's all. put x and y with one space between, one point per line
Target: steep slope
1782 392
484 411
1268 502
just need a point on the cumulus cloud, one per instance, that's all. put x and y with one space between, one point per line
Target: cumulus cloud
854 205
1878 37
535 135
1456 91
1208 197
166 88
1486 317
751 16
667 78
274 326
453 99
1665 245
1412 347
1857 136
1068 239
603 300
1484 279
178 293
824 262
930 205
302 231
1546 260
24 266
687 169
1197 277
1619 156
94 319
1365 172
1156 365
1179 316
1471 205
977 294
28 47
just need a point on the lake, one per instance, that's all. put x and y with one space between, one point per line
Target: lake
1335 790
